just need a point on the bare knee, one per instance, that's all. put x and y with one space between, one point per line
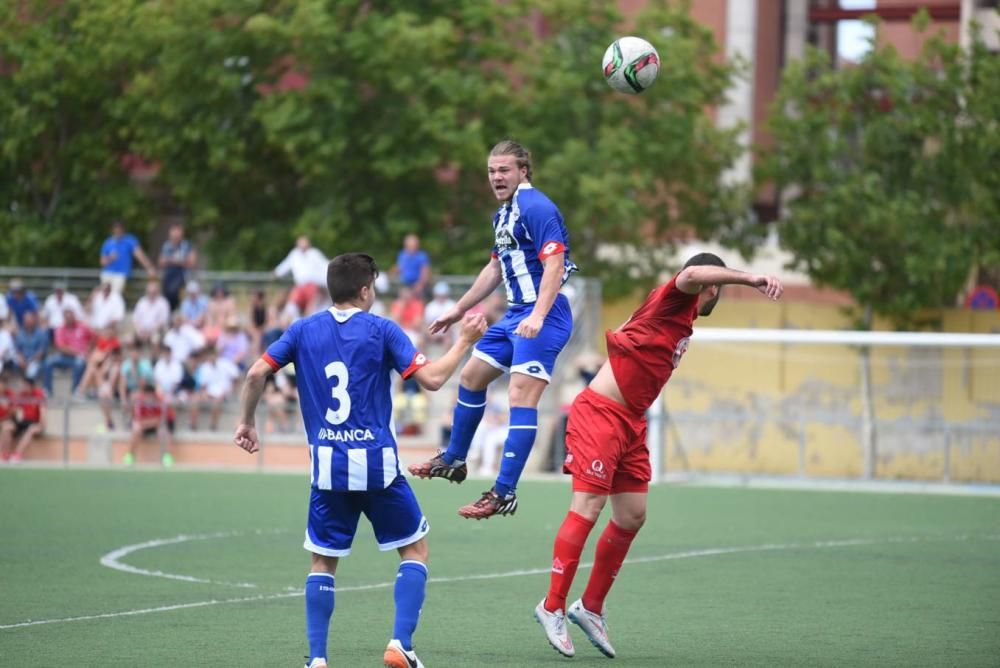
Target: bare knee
630 521
323 564
525 390
415 551
587 505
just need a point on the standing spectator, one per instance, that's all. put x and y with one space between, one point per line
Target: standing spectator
72 344
151 314
216 379
29 418
20 301
116 257
151 416
234 344
221 307
183 338
435 309
31 345
308 268
177 256
413 266
6 345
56 303
105 342
194 305
107 307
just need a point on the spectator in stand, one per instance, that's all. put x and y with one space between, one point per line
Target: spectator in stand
183 338
107 385
308 268
105 342
4 309
413 266
57 303
31 345
281 396
6 413
168 375
435 308
20 301
29 419
234 344
408 312
280 315
194 305
221 307
117 253
177 257
257 320
216 379
151 416
71 344
151 315
136 370
6 345
107 307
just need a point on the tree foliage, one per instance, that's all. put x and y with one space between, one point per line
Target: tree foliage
884 166
354 122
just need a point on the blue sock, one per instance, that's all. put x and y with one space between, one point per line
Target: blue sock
517 447
319 609
468 414
409 595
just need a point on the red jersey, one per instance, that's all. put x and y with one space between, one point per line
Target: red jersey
148 406
648 347
29 403
6 404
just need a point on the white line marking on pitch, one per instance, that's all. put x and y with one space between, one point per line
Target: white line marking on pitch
112 559
687 554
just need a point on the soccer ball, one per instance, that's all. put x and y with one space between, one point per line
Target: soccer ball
631 65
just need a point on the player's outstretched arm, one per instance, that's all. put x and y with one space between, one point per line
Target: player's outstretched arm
487 281
435 374
246 431
694 279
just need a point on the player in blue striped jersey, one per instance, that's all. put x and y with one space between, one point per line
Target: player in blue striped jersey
531 258
343 361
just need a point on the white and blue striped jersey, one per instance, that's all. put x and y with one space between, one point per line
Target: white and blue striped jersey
343 365
528 229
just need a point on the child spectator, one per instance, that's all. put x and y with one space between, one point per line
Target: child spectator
29 418
151 416
136 370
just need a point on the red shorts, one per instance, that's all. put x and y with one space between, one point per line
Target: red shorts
606 446
303 295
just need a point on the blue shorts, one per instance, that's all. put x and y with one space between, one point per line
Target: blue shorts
393 512
536 357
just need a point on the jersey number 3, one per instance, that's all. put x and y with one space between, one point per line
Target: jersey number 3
339 393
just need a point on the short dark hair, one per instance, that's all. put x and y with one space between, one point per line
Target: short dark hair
347 274
704 258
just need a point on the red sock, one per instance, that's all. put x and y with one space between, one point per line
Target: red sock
565 558
612 547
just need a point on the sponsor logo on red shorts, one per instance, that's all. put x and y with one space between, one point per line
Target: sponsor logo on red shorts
597 469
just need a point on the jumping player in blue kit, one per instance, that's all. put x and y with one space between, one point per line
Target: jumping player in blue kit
531 257
343 359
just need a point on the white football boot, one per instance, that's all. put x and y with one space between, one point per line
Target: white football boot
397 657
554 625
594 626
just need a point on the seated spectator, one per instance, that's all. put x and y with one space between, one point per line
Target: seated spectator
6 345
20 301
151 314
6 412
71 345
151 416
168 375
29 419
257 320
216 379
408 311
234 344
57 303
108 375
177 257
4 309
221 307
281 396
183 338
136 370
31 345
282 313
435 309
107 307
105 341
194 305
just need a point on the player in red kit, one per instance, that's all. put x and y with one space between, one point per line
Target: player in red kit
606 441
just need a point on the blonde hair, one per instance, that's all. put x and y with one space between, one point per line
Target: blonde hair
511 147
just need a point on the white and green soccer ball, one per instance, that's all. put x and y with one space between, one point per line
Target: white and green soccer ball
631 65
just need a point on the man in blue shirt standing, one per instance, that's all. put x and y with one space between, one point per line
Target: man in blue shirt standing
413 265
116 257
344 358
